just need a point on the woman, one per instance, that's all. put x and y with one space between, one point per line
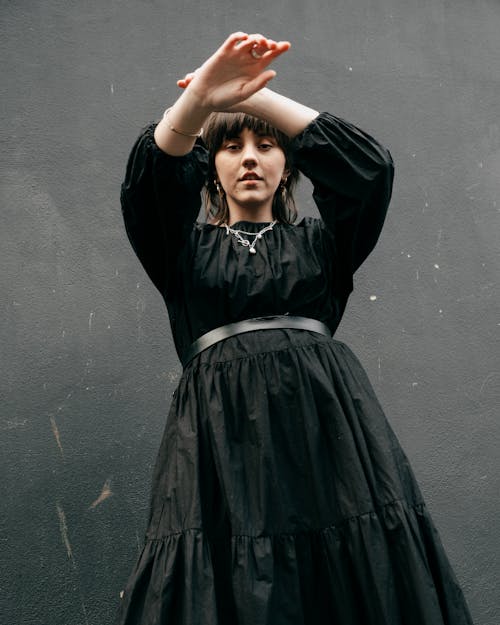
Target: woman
280 493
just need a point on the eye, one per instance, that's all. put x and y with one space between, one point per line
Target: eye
232 146
265 145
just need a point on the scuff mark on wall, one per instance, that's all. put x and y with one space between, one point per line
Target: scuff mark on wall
63 526
57 436
105 494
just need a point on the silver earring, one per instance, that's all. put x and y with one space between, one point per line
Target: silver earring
283 189
220 190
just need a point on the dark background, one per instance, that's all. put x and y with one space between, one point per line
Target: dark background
88 365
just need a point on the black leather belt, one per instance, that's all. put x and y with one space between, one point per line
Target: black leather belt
249 325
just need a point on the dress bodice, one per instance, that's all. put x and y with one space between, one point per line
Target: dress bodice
208 278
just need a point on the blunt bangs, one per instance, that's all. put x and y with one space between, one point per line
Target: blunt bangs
222 126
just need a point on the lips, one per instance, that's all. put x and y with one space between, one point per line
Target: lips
250 176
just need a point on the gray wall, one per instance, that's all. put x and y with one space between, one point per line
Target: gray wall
87 360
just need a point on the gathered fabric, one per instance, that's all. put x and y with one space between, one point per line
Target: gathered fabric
280 493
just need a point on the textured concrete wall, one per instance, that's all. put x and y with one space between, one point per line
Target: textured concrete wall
87 359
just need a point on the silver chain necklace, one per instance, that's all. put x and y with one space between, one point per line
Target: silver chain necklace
246 242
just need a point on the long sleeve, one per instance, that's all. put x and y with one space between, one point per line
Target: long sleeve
160 200
352 176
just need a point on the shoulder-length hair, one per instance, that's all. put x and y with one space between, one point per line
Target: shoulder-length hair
222 126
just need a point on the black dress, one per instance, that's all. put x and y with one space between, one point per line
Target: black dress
280 495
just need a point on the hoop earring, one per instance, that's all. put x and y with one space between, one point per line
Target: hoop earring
220 190
283 189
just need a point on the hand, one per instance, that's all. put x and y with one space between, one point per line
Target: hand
235 71
183 83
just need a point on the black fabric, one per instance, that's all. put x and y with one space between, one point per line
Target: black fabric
251 325
280 494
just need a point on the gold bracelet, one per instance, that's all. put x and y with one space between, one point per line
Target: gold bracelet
195 135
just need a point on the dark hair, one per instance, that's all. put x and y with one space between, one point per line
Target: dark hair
222 126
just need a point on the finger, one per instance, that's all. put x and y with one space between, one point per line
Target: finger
269 55
247 45
271 44
266 42
258 83
283 45
280 46
257 37
259 42
234 39
256 50
184 82
263 49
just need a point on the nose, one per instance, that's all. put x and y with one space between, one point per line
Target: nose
249 155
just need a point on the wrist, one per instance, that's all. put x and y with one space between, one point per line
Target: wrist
255 105
194 103
177 131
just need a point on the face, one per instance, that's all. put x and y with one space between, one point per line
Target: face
250 168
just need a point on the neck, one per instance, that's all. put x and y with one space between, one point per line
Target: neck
258 215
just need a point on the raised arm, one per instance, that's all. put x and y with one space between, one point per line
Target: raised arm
232 79
287 115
